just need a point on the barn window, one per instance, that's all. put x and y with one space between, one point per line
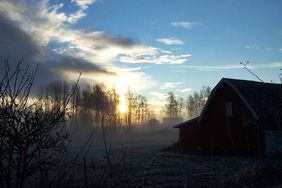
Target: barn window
228 109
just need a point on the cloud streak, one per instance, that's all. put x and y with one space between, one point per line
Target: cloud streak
159 95
170 41
162 59
170 85
185 24
184 90
252 47
230 67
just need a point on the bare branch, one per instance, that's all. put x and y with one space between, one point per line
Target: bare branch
245 67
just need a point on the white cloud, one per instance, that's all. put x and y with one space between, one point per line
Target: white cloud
230 67
184 90
131 69
185 24
74 17
271 65
161 59
41 20
211 67
157 100
166 52
136 80
157 105
170 41
84 4
159 95
252 47
169 85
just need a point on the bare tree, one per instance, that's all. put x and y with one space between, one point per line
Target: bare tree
33 138
172 106
196 102
142 110
113 102
131 105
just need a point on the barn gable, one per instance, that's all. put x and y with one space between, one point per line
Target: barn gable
263 100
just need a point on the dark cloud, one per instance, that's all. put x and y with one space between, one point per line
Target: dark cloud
16 44
73 64
103 40
122 41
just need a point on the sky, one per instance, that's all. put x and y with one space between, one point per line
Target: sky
149 46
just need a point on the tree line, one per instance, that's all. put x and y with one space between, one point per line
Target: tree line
175 106
97 101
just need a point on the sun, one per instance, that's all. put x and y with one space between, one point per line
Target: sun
121 86
122 106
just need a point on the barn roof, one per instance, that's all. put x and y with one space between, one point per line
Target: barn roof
186 123
262 99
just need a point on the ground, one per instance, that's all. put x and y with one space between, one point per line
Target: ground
150 166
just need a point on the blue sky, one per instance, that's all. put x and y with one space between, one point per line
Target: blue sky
156 46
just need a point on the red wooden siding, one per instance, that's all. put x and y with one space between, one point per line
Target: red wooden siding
218 133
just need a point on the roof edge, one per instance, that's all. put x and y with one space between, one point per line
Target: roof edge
222 81
186 122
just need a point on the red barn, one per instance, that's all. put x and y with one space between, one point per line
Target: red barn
237 119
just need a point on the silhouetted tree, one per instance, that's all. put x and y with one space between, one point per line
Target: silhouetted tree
96 101
174 105
32 137
87 99
142 110
76 101
181 105
113 111
197 101
131 105
57 93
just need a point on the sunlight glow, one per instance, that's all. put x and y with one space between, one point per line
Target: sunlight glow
121 85
122 106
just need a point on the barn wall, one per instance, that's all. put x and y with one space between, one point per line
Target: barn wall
190 136
228 134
